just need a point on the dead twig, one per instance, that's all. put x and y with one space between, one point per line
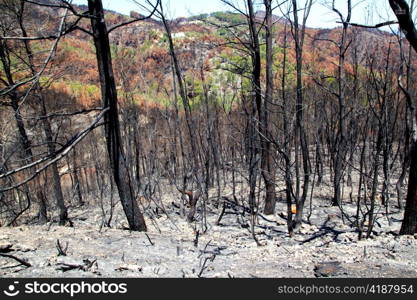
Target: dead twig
149 239
205 249
197 235
61 251
204 267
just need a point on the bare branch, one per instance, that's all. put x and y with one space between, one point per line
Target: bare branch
55 157
370 26
37 76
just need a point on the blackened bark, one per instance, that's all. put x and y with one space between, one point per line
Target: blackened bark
403 13
56 179
301 136
409 225
286 153
25 152
268 165
187 109
340 147
112 128
77 179
256 109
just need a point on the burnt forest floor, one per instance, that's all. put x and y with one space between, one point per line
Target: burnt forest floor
326 245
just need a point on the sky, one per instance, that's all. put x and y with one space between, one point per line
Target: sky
365 11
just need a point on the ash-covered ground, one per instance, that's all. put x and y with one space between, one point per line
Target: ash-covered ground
326 246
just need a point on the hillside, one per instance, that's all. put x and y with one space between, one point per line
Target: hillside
144 44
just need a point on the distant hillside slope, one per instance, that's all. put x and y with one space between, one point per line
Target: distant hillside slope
142 61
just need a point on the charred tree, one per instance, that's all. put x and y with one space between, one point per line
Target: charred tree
298 30
187 108
409 225
268 162
118 165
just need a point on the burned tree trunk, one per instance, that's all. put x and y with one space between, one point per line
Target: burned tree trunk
55 177
256 114
26 151
112 129
187 109
409 225
340 145
268 165
300 132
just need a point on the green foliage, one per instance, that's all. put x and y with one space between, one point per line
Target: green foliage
69 47
235 63
331 81
199 17
194 35
77 88
222 32
153 34
146 46
228 17
164 38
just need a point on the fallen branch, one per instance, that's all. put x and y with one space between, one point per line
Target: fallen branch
68 267
6 248
21 261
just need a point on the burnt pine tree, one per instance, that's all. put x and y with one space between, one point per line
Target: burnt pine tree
193 197
25 151
256 106
298 28
268 163
27 58
409 226
112 128
340 148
